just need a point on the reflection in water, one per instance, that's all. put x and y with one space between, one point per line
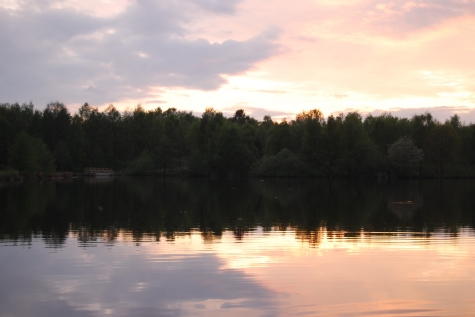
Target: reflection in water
164 208
194 247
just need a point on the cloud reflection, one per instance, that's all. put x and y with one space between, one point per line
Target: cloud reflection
356 275
124 283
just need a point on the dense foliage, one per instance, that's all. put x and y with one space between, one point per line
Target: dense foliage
171 141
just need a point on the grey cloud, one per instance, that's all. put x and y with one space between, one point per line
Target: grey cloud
60 25
149 18
423 14
63 54
440 113
221 6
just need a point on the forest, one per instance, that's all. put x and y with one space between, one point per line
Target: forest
171 142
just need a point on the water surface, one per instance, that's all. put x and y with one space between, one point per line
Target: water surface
273 247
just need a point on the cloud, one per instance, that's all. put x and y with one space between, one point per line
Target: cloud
339 96
258 113
228 6
50 53
154 101
394 19
414 15
272 91
440 113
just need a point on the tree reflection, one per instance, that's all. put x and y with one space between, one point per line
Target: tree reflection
141 209
312 237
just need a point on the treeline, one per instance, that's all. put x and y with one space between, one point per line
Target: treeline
171 142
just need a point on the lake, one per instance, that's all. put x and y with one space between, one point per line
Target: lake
253 247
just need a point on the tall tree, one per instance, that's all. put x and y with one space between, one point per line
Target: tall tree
383 130
332 141
279 137
358 152
56 125
240 117
311 148
442 146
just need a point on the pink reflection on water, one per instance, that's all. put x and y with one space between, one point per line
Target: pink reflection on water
382 274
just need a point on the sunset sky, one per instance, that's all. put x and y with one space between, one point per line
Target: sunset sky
267 57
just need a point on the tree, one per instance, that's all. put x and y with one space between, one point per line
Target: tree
78 141
30 155
45 161
22 154
93 125
141 165
13 120
169 142
111 120
234 153
240 117
421 125
383 130
56 125
314 114
284 164
186 120
311 149
331 142
442 146
455 121
262 133
358 152
404 156
279 137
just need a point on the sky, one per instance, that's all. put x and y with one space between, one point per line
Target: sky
267 57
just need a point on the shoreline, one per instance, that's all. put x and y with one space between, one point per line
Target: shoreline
15 177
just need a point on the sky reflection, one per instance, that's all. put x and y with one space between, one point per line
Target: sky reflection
266 273
337 248
124 282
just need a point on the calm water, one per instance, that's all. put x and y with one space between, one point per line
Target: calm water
195 247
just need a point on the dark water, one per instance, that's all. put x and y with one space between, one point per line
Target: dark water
196 247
